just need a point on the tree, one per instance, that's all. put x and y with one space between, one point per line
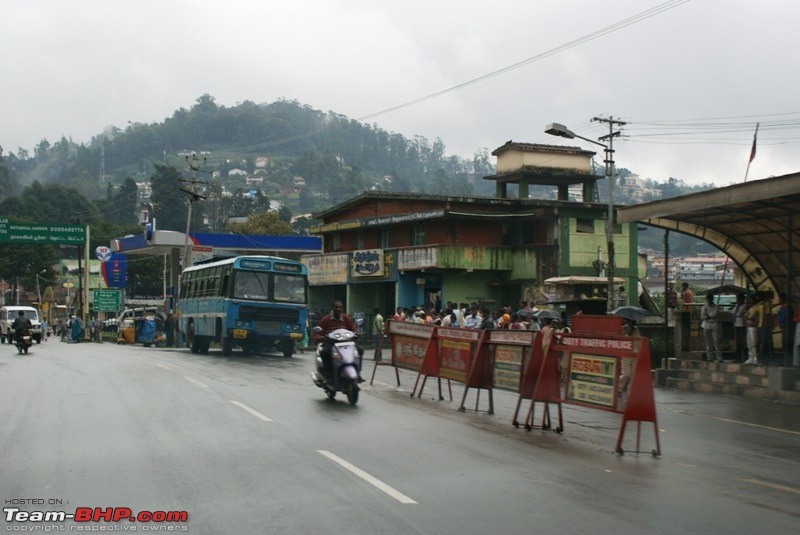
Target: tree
285 214
6 183
126 202
173 202
23 262
263 224
301 225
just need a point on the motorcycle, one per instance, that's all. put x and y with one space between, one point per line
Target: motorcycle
345 365
23 341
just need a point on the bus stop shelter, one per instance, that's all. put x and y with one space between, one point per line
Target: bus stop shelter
754 223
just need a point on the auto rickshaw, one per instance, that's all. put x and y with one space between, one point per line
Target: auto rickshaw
142 330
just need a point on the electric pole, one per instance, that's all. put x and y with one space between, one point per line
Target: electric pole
610 175
194 164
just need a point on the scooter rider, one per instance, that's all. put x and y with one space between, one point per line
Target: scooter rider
20 323
336 319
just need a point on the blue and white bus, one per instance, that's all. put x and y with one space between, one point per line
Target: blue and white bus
253 302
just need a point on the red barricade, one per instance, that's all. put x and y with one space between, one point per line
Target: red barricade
591 379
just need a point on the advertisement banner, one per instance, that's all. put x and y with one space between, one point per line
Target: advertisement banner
592 379
508 367
456 357
368 263
326 269
409 351
114 271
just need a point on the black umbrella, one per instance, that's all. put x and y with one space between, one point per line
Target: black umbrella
544 314
632 313
523 312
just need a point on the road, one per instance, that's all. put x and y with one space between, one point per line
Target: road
248 445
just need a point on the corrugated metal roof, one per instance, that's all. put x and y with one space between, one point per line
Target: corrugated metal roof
757 224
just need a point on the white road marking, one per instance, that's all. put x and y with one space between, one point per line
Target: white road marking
195 381
162 366
739 422
775 486
252 411
400 497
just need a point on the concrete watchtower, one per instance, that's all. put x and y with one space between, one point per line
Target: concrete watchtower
528 164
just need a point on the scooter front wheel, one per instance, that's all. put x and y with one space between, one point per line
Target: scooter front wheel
352 392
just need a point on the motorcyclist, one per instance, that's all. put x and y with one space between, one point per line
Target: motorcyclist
20 323
336 319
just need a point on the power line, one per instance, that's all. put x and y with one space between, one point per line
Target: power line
639 17
644 15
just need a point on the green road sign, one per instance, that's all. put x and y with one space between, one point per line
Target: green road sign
106 301
41 233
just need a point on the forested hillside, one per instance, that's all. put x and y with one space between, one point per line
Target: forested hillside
337 157
246 158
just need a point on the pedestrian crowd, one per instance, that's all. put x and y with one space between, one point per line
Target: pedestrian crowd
754 322
477 316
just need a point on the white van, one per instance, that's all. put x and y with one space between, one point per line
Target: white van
7 316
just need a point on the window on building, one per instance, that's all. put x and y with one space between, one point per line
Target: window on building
336 242
584 225
359 239
418 235
384 239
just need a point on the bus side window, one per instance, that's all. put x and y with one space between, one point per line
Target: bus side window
224 281
211 284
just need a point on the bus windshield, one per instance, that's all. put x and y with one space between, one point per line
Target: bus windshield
251 285
290 289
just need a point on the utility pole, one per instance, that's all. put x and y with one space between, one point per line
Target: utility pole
610 176
194 164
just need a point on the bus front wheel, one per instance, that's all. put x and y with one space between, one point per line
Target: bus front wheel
287 346
226 344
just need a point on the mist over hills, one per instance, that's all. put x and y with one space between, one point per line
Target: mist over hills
299 158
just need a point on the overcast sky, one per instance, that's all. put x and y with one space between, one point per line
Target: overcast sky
691 78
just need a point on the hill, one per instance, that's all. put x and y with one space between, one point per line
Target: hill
250 155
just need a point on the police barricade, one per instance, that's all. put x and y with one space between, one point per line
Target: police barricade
407 343
450 355
591 378
500 359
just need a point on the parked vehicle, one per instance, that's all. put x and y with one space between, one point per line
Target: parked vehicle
7 316
147 331
345 365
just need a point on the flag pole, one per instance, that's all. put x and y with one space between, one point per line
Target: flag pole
752 153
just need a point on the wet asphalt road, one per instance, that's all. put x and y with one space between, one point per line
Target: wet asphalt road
249 445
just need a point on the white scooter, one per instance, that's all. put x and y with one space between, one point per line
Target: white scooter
345 365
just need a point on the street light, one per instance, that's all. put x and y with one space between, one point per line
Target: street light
556 129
